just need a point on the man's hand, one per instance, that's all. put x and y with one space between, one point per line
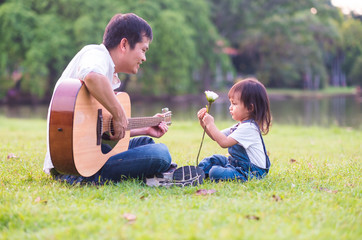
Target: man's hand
157 131
119 127
100 88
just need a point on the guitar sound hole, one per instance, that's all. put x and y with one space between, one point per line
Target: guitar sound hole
107 144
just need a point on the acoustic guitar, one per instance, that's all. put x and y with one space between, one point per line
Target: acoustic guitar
79 125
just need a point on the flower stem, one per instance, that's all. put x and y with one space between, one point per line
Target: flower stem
202 140
197 159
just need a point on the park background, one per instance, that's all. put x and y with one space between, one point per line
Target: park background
309 45
308 55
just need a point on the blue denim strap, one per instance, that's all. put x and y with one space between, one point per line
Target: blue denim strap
267 164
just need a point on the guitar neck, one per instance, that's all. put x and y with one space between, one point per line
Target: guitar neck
141 122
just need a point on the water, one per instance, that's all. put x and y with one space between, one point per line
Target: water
327 111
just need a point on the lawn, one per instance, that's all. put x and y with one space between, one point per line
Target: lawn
313 191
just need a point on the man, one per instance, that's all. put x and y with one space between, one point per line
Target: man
125 42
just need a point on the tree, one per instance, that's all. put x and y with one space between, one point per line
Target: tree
38 38
284 43
16 37
184 56
352 49
171 55
304 44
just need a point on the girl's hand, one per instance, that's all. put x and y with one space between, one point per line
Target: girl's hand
208 119
200 116
201 113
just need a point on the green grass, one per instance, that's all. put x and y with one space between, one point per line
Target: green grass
318 196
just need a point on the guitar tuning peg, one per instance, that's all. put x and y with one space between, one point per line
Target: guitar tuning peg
164 110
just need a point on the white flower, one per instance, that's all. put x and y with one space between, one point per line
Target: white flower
211 96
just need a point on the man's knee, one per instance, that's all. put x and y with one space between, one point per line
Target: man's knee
164 152
140 141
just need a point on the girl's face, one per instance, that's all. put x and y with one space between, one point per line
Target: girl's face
237 109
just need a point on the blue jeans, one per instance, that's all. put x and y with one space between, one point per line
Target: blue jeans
143 158
235 167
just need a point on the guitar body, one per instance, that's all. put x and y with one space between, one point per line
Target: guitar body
77 122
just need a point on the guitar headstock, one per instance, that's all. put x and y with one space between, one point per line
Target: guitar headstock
167 115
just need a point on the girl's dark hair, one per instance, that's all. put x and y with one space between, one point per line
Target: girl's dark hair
255 98
128 26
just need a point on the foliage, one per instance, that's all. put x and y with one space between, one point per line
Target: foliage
313 191
170 76
292 44
286 43
183 57
43 46
356 72
48 33
352 32
15 22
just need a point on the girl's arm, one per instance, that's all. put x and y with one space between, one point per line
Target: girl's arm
215 133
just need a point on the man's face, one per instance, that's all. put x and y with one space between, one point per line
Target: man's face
136 56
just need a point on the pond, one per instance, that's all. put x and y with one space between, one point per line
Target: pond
320 111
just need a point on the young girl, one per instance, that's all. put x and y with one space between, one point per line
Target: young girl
249 106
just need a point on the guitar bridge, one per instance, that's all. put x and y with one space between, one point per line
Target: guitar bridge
99 126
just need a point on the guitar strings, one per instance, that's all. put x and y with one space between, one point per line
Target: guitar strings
136 122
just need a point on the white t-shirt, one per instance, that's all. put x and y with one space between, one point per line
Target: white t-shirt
91 58
248 136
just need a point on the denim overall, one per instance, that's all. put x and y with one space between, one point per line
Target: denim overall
237 166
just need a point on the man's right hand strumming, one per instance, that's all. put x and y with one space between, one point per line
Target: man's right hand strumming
119 126
99 86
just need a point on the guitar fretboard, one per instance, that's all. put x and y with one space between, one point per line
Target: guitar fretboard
135 122
140 122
